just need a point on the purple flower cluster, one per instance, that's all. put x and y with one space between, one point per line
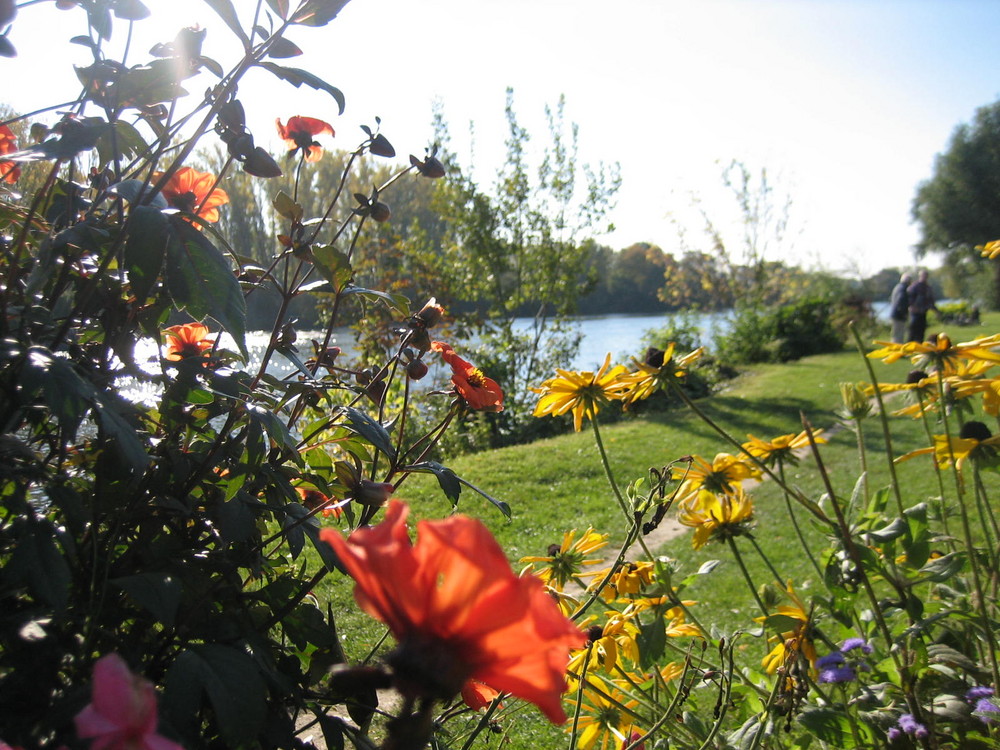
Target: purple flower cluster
839 666
907 725
984 708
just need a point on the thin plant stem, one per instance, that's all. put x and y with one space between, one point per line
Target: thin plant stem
862 457
607 471
746 574
943 508
883 418
986 512
795 523
578 708
970 549
777 576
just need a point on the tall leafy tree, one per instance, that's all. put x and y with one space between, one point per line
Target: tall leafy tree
958 208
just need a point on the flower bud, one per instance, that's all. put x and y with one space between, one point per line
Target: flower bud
430 167
380 212
430 314
368 492
416 369
856 404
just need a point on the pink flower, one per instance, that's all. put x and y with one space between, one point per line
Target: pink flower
122 714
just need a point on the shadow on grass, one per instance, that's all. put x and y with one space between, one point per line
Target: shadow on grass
739 417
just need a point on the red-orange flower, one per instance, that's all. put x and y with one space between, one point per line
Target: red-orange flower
188 190
315 500
457 610
300 132
480 392
187 340
478 695
9 171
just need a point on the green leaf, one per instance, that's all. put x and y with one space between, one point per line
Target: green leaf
122 141
280 8
124 435
451 485
146 246
236 520
706 567
318 12
652 640
64 392
833 727
225 10
306 625
199 280
233 684
894 530
942 568
275 429
781 623
292 526
286 207
39 563
131 190
297 77
500 504
397 302
159 593
333 265
360 423
283 48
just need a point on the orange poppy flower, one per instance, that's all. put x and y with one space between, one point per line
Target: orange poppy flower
299 134
9 171
480 392
188 190
314 500
187 340
457 610
477 695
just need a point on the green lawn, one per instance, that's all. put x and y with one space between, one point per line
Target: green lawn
557 484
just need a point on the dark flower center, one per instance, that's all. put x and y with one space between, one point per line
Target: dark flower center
975 430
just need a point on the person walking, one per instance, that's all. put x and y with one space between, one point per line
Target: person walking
921 301
899 308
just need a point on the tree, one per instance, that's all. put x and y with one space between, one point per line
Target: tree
958 208
735 269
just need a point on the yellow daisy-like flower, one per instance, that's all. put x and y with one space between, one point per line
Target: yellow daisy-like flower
582 393
989 388
974 441
628 580
782 448
717 515
658 369
940 352
609 644
565 561
607 717
722 475
796 642
990 250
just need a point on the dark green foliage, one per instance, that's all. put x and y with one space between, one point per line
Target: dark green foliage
956 208
780 334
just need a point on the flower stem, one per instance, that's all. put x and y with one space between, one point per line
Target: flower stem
608 473
746 574
883 418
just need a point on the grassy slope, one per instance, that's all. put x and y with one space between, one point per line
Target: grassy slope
557 484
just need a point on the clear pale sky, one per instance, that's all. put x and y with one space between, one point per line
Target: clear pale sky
845 101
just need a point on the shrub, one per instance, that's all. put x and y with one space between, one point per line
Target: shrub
780 334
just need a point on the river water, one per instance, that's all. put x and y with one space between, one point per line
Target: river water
621 335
